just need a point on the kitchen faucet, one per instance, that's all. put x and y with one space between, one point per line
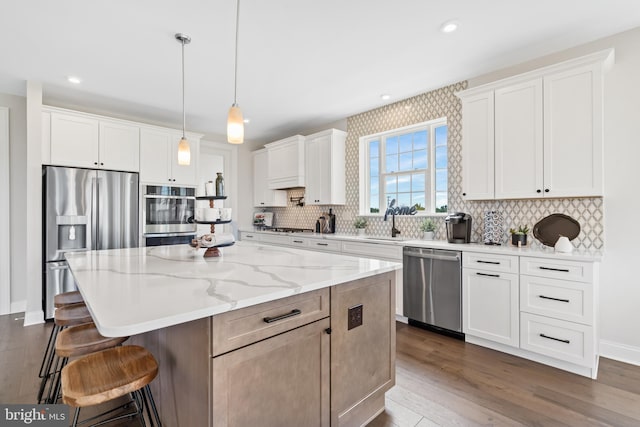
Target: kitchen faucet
391 210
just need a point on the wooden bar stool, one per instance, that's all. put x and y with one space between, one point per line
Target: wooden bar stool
60 300
76 341
69 315
109 374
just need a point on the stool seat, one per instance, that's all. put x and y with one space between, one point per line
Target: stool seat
67 298
72 314
83 339
106 375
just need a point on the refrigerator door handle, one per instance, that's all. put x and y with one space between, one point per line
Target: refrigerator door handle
93 238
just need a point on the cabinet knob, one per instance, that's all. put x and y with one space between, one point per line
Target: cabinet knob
546 190
101 164
95 163
464 194
538 191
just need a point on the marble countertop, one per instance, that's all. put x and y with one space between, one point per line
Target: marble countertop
136 290
535 250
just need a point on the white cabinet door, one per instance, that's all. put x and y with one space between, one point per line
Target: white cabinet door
490 306
119 146
325 168
573 133
154 157
478 147
263 196
286 163
180 174
518 141
74 141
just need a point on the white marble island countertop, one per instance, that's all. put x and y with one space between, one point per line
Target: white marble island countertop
136 290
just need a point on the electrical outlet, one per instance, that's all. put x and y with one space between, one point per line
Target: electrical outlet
354 317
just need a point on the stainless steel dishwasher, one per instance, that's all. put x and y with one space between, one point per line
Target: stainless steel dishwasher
432 289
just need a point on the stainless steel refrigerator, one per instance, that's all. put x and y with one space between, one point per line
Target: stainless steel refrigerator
84 209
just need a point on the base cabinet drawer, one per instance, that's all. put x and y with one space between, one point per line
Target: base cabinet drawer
557 269
561 299
560 339
325 245
492 262
235 329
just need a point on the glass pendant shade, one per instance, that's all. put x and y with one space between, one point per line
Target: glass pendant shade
184 152
235 125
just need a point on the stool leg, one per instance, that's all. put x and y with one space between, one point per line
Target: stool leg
76 415
47 360
58 381
146 391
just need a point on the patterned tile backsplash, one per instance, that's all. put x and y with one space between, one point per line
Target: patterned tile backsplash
428 106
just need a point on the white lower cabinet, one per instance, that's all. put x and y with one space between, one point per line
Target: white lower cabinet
490 305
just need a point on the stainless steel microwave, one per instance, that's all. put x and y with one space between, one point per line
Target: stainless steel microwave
168 211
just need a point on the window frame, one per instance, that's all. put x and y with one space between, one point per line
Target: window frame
430 177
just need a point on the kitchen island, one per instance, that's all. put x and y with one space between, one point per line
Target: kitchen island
259 336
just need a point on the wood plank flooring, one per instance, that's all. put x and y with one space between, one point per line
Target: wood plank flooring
440 382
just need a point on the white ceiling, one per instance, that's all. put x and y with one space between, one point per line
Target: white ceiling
302 63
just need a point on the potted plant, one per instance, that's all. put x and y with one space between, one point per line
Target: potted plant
428 227
360 224
519 236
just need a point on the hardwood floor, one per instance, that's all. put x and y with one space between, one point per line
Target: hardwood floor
440 382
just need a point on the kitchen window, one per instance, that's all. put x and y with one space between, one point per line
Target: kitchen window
407 164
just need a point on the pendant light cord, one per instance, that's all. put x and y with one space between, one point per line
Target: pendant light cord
235 77
184 115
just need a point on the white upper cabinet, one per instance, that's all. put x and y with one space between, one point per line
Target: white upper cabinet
119 146
263 196
478 147
573 133
325 168
88 142
518 140
159 158
285 159
545 130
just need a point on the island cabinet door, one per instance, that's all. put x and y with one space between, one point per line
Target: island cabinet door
280 381
363 348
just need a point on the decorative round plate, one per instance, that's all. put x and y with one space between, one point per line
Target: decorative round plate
549 229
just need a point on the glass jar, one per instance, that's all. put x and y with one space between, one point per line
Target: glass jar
219 184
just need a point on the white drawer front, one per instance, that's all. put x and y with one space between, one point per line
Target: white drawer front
563 340
250 236
325 245
276 239
561 299
498 263
557 269
374 250
298 241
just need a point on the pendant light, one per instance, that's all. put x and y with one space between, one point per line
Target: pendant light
184 151
235 122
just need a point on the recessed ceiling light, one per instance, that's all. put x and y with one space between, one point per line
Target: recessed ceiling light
73 79
247 120
385 96
449 26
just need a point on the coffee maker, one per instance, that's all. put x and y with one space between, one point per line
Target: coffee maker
458 227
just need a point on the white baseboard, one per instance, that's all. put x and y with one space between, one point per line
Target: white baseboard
18 306
620 352
401 318
33 317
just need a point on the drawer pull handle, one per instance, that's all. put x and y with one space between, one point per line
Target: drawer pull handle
555 339
293 312
486 274
322 244
488 262
298 241
563 270
552 298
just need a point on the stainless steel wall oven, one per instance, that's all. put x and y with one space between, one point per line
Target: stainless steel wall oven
167 212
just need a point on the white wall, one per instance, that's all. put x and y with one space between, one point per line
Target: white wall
619 284
17 200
